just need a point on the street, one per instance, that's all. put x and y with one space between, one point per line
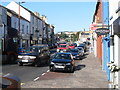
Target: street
25 73
88 74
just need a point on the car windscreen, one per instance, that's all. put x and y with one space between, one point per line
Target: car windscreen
62 56
80 48
71 45
63 46
32 50
74 50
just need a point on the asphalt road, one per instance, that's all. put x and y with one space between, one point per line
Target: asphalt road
27 72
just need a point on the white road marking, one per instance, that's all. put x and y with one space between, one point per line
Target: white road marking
36 78
48 70
43 74
22 83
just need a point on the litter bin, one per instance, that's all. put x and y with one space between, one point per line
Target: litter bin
10 82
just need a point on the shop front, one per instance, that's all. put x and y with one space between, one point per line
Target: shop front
25 41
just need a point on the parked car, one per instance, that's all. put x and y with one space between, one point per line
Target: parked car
87 43
36 55
21 50
75 44
83 45
62 43
62 61
71 46
75 52
62 47
81 50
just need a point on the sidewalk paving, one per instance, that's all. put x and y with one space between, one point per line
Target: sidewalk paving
88 74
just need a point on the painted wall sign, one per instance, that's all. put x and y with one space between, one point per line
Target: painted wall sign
102 31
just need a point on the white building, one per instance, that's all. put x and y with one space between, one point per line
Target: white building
24 23
24 27
38 31
35 27
114 11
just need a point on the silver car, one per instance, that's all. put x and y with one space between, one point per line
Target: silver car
81 50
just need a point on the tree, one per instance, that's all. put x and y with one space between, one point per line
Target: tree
63 36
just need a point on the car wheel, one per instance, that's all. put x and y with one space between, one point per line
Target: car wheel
72 69
37 64
20 63
52 69
80 58
47 62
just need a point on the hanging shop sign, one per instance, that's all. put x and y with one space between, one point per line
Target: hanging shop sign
98 25
102 31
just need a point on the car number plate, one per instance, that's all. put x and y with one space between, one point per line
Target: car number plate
59 66
24 60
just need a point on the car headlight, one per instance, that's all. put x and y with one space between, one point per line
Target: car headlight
68 63
74 56
32 57
57 50
52 63
20 57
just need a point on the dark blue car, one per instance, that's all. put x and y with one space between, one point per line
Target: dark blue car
62 61
76 53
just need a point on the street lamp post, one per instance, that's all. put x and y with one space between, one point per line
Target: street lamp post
20 40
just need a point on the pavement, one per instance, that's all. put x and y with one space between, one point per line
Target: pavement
88 74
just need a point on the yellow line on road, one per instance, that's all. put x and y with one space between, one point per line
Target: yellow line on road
22 83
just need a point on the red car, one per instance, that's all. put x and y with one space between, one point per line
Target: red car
62 47
71 46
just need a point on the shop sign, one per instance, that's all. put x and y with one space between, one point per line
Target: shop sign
100 25
102 31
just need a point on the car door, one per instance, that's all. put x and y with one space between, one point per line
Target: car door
46 54
41 55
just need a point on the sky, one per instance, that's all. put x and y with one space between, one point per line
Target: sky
65 16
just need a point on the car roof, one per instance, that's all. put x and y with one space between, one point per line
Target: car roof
77 47
35 46
41 45
74 49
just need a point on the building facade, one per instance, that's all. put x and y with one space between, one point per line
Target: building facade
97 19
114 10
22 23
24 27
